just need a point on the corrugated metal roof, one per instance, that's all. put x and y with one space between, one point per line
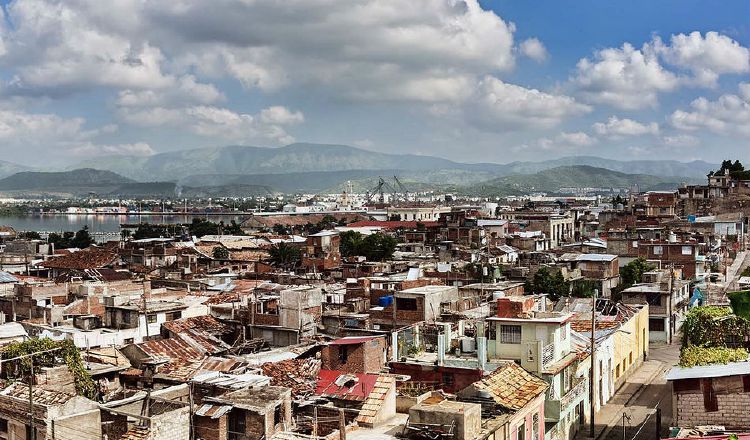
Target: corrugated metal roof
213 411
703 371
233 381
5 277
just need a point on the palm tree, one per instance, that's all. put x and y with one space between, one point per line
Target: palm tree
284 255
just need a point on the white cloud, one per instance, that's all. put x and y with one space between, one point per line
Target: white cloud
534 49
630 78
215 122
25 134
499 106
564 141
618 128
728 115
91 149
681 140
706 57
625 78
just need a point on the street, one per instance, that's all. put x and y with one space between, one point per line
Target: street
637 399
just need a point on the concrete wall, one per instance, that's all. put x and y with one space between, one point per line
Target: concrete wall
467 417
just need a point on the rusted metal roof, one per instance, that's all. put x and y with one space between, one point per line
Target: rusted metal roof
300 375
205 323
136 433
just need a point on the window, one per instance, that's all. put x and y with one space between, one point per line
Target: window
687 250
126 317
653 298
510 334
617 371
630 358
746 383
710 403
683 385
151 319
343 354
656 324
128 341
535 429
521 432
3 425
406 304
173 315
447 380
658 250
277 415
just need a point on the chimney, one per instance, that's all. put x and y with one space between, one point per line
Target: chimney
482 352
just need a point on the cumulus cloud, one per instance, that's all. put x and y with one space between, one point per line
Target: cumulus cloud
499 106
630 78
617 128
534 49
23 133
728 115
214 122
626 78
706 57
564 141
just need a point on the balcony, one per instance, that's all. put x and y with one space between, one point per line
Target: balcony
553 409
548 354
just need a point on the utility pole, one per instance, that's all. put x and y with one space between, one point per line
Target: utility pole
592 375
658 423
31 400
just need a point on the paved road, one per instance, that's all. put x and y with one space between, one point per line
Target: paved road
637 399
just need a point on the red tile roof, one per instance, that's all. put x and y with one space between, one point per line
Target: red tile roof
390 224
89 258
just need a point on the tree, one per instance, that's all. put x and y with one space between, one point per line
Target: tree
220 253
30 235
374 247
553 284
351 243
632 273
736 170
378 247
82 238
285 255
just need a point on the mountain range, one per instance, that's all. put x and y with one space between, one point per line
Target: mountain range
238 170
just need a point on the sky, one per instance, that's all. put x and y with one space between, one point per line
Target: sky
471 81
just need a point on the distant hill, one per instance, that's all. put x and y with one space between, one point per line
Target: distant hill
579 176
10 168
80 178
318 158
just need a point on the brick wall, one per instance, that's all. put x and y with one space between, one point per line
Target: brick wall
361 358
211 429
732 410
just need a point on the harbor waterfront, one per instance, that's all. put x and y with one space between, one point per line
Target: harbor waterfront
102 223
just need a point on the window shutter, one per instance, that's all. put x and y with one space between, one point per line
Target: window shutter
710 402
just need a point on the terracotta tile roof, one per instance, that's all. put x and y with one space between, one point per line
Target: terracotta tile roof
136 433
89 258
40 395
374 402
249 255
90 306
511 386
584 325
300 375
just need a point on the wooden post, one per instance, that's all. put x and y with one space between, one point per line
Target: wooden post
342 425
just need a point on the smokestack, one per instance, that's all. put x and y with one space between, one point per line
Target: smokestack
482 351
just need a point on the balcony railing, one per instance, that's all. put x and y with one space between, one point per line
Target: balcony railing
573 394
548 354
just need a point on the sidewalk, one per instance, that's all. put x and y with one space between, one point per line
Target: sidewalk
610 414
